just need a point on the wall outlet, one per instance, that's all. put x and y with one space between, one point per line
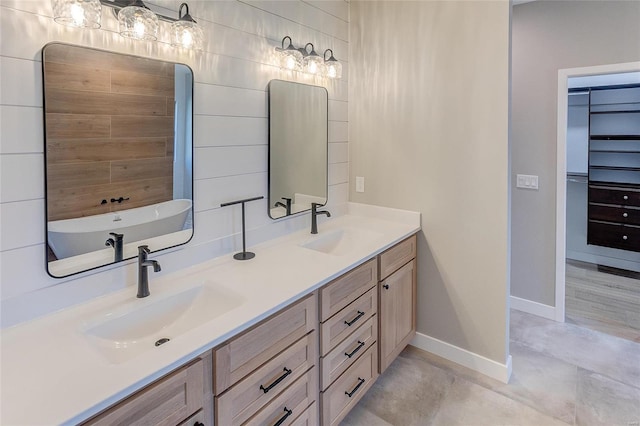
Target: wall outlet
359 184
527 181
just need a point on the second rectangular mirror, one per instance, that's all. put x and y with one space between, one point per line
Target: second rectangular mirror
298 147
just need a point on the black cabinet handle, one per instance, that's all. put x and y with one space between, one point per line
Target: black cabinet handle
350 323
278 380
287 413
386 286
350 394
198 424
353 352
119 200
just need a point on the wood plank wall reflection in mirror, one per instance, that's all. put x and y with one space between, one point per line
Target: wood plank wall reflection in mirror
110 147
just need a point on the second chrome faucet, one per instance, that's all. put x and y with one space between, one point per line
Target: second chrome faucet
143 274
314 216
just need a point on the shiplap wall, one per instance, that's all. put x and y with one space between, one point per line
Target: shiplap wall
230 133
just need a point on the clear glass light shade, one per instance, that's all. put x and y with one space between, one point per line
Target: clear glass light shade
289 59
138 23
314 64
186 34
333 69
77 13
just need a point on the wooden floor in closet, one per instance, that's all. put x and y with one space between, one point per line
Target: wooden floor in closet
602 301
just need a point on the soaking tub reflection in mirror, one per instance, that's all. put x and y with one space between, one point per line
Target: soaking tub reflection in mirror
118 156
72 237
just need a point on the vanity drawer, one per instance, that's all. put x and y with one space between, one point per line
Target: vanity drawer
290 404
397 256
308 418
347 352
338 327
246 397
621 197
345 392
245 353
347 288
615 236
615 214
168 401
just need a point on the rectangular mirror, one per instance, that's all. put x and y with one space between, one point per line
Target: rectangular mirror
298 147
118 156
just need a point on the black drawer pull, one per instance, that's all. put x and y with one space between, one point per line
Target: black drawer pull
198 424
275 383
386 286
360 382
350 323
283 418
353 352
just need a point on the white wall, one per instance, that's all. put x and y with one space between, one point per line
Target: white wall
230 133
429 119
548 36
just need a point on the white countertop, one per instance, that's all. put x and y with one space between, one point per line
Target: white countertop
51 374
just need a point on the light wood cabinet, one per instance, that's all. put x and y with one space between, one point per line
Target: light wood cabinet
347 288
268 374
243 354
397 304
345 392
243 399
169 401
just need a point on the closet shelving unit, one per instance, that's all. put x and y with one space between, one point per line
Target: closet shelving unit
614 167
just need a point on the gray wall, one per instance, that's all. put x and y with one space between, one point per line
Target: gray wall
428 129
548 36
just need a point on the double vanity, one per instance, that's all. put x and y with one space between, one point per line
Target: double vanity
294 336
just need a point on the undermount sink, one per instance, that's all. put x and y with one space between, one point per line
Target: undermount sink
140 325
341 241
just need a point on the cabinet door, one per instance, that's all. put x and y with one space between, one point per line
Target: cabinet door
397 313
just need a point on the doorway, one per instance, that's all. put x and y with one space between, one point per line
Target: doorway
565 79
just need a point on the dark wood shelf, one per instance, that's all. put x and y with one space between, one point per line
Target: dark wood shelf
615 137
632 111
613 151
616 168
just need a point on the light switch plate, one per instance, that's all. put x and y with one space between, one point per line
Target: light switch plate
359 184
527 181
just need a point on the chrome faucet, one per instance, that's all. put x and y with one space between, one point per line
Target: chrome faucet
314 216
143 274
117 243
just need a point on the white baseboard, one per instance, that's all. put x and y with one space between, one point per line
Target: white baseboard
464 357
534 308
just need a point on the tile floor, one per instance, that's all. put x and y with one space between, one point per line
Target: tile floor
562 374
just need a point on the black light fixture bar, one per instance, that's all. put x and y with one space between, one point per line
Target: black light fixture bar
116 5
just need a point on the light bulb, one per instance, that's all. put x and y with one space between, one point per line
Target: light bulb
138 28
312 68
332 72
290 62
77 14
187 39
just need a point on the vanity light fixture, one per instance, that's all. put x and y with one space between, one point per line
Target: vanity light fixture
137 21
333 68
77 13
307 60
185 32
312 62
289 57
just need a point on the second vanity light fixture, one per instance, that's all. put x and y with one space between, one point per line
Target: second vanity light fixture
307 60
135 20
